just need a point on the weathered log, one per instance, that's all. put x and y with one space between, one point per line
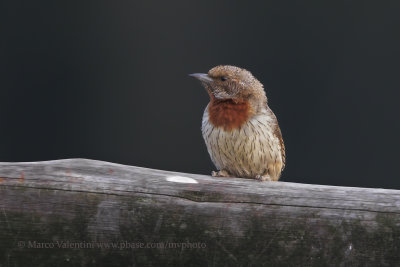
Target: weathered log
80 212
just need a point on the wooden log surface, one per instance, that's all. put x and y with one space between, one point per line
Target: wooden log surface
80 212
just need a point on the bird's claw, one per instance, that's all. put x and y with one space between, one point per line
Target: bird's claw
263 178
221 173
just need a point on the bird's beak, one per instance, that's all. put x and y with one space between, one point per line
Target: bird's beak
203 77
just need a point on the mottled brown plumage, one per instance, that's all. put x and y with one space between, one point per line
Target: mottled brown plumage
241 132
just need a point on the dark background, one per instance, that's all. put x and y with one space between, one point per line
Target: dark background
108 80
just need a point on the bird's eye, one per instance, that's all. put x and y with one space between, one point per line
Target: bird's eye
223 78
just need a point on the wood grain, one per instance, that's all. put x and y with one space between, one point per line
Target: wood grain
66 213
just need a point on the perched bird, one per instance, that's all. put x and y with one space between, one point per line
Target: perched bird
241 132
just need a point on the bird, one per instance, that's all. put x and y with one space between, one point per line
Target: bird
240 130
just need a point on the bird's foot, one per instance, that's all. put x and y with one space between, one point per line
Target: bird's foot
264 177
221 173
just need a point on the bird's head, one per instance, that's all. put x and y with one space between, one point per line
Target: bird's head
231 83
235 95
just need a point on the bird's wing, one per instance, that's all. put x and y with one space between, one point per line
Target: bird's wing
278 134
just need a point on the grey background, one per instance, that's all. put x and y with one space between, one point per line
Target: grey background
108 80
